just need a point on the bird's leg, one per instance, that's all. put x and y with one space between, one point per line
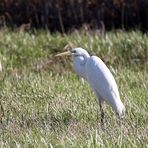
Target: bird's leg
102 113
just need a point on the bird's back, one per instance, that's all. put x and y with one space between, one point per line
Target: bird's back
102 82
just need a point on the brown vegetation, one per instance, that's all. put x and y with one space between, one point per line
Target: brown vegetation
64 15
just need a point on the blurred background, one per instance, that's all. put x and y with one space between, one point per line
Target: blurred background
66 15
43 103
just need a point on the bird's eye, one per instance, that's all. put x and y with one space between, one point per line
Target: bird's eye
73 51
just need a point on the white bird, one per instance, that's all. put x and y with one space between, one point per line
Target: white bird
99 77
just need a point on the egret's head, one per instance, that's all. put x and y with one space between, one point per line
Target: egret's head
78 52
75 52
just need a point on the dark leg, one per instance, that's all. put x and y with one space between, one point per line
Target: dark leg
102 113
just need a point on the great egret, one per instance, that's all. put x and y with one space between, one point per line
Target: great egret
99 77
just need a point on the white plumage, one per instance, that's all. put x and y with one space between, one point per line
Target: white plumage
99 77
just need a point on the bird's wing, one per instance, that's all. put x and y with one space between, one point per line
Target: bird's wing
101 80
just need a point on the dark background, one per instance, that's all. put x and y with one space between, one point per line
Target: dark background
66 15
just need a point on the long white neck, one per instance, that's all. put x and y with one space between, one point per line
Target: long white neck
79 63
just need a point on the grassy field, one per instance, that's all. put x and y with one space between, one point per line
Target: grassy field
44 104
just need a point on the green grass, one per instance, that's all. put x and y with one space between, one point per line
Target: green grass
44 104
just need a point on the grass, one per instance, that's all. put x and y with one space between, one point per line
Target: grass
44 104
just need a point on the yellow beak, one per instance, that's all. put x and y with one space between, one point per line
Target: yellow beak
63 54
69 45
